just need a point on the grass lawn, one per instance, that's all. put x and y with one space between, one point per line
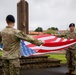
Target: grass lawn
0 53
58 56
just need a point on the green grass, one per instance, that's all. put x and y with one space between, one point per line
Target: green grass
58 56
0 53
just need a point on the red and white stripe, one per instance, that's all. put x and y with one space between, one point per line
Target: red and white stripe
51 43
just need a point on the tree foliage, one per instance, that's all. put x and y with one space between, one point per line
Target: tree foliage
50 32
39 29
52 28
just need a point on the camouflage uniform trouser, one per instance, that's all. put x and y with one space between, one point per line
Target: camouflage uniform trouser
11 67
71 59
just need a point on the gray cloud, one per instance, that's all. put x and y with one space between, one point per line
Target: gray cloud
47 13
42 13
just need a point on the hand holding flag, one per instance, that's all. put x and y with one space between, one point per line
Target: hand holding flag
34 40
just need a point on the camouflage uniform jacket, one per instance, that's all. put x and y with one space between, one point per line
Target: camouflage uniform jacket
71 35
11 42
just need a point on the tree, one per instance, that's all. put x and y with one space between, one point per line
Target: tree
52 28
50 32
39 29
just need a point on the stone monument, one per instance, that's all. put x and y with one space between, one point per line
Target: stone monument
22 16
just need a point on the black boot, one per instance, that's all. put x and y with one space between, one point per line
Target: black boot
71 72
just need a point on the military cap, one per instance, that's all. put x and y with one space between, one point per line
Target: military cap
72 24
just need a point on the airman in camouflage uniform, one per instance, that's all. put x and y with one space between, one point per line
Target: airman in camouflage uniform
71 51
11 47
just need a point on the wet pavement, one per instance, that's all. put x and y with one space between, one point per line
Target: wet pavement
45 71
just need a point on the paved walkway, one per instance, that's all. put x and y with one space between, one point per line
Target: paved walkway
47 71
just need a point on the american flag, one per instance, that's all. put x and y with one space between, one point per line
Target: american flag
51 44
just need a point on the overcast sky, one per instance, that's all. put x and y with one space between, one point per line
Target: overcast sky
42 13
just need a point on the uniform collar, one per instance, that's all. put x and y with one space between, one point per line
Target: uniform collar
9 27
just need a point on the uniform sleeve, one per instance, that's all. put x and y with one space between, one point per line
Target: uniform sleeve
61 35
23 36
20 35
